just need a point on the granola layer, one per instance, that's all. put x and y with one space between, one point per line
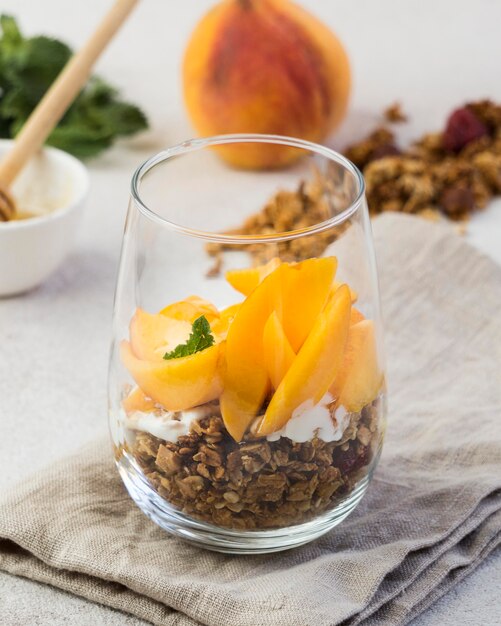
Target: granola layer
257 483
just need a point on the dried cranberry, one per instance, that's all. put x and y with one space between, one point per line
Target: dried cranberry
351 461
363 457
347 461
456 201
462 127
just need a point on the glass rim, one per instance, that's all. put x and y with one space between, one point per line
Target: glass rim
192 145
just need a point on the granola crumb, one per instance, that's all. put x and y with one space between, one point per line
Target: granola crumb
378 144
394 114
215 269
461 227
431 214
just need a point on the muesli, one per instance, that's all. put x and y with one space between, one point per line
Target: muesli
257 483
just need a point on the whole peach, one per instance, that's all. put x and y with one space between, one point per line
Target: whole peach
264 66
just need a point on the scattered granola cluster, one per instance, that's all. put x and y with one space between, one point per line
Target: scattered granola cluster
446 174
260 483
286 211
451 173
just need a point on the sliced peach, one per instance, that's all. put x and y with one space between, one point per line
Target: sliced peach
306 289
360 377
246 280
356 316
316 365
230 311
278 354
151 336
297 292
304 292
246 381
353 293
178 384
221 325
137 401
189 309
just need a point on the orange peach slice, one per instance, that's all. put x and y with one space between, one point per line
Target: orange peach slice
151 336
353 293
246 280
315 367
307 286
137 401
246 381
297 292
178 384
230 311
360 378
356 316
189 309
278 354
220 326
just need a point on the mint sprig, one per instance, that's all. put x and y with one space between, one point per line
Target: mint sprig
200 338
29 65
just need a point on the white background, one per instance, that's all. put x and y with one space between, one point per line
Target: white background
431 56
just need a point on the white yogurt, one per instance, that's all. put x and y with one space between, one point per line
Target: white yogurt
168 425
307 421
310 420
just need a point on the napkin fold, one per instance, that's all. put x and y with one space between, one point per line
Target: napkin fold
431 514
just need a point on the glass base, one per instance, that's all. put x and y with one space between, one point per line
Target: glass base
227 540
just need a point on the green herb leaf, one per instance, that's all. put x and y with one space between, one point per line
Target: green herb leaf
200 338
11 33
28 66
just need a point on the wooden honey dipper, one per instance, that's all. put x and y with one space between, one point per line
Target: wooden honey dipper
55 103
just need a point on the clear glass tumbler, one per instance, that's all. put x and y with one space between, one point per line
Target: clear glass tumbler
246 385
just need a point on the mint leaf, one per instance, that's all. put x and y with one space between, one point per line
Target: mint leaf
12 35
29 65
80 140
200 338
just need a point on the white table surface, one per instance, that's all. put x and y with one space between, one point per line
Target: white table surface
430 56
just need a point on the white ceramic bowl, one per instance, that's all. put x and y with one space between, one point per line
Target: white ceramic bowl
54 186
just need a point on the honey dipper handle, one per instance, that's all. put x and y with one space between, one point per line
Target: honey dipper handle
61 93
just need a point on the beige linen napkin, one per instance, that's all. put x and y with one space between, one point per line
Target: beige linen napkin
432 513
